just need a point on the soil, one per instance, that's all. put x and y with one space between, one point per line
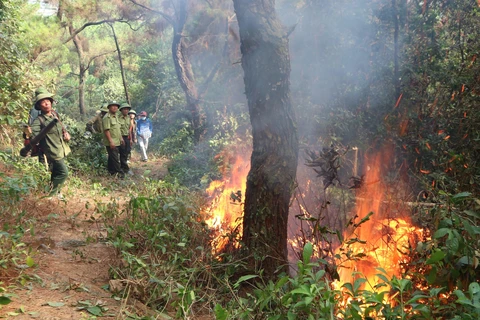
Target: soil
70 279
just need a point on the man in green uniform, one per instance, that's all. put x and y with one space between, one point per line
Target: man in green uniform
113 139
95 124
127 139
53 145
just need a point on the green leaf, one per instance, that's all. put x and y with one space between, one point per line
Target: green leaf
383 277
472 230
30 262
302 290
307 252
220 312
416 298
4 300
364 219
436 257
471 213
465 261
441 232
432 275
474 288
244 278
349 287
358 283
461 195
55 304
95 310
10 120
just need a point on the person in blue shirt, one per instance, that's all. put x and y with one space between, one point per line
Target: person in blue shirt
144 133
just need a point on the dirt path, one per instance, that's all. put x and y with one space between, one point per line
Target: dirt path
70 279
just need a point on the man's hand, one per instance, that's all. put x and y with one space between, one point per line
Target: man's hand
112 145
122 142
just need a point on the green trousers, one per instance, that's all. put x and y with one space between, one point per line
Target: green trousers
59 175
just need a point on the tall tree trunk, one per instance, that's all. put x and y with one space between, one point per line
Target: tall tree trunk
82 70
120 61
184 71
270 182
396 76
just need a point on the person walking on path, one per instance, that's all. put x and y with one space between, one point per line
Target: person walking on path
54 145
125 129
113 139
144 133
32 115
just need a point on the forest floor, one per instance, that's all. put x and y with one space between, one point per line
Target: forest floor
70 279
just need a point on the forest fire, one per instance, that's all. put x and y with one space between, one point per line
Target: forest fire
379 236
382 236
227 196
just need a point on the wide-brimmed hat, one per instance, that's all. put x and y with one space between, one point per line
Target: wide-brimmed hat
104 109
113 103
41 94
125 105
143 113
132 112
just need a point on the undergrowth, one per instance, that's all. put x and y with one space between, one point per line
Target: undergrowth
165 259
163 249
19 180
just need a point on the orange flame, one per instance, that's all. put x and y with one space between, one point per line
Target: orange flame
382 239
227 201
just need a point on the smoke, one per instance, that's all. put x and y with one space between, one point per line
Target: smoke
341 62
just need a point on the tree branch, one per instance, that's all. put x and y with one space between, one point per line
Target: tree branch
164 15
88 24
95 57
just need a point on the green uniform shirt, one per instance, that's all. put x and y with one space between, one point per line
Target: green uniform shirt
112 122
53 145
125 120
96 124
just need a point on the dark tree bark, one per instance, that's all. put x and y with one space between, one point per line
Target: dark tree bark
120 61
270 182
184 71
183 67
396 77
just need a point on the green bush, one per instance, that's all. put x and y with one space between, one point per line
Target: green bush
164 245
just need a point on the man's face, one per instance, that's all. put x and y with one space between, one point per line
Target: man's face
125 111
113 108
45 105
132 116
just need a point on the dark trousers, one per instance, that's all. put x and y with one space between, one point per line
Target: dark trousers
113 163
124 152
41 156
59 174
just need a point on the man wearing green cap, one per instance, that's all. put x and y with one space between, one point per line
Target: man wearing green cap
125 130
113 139
27 133
53 145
